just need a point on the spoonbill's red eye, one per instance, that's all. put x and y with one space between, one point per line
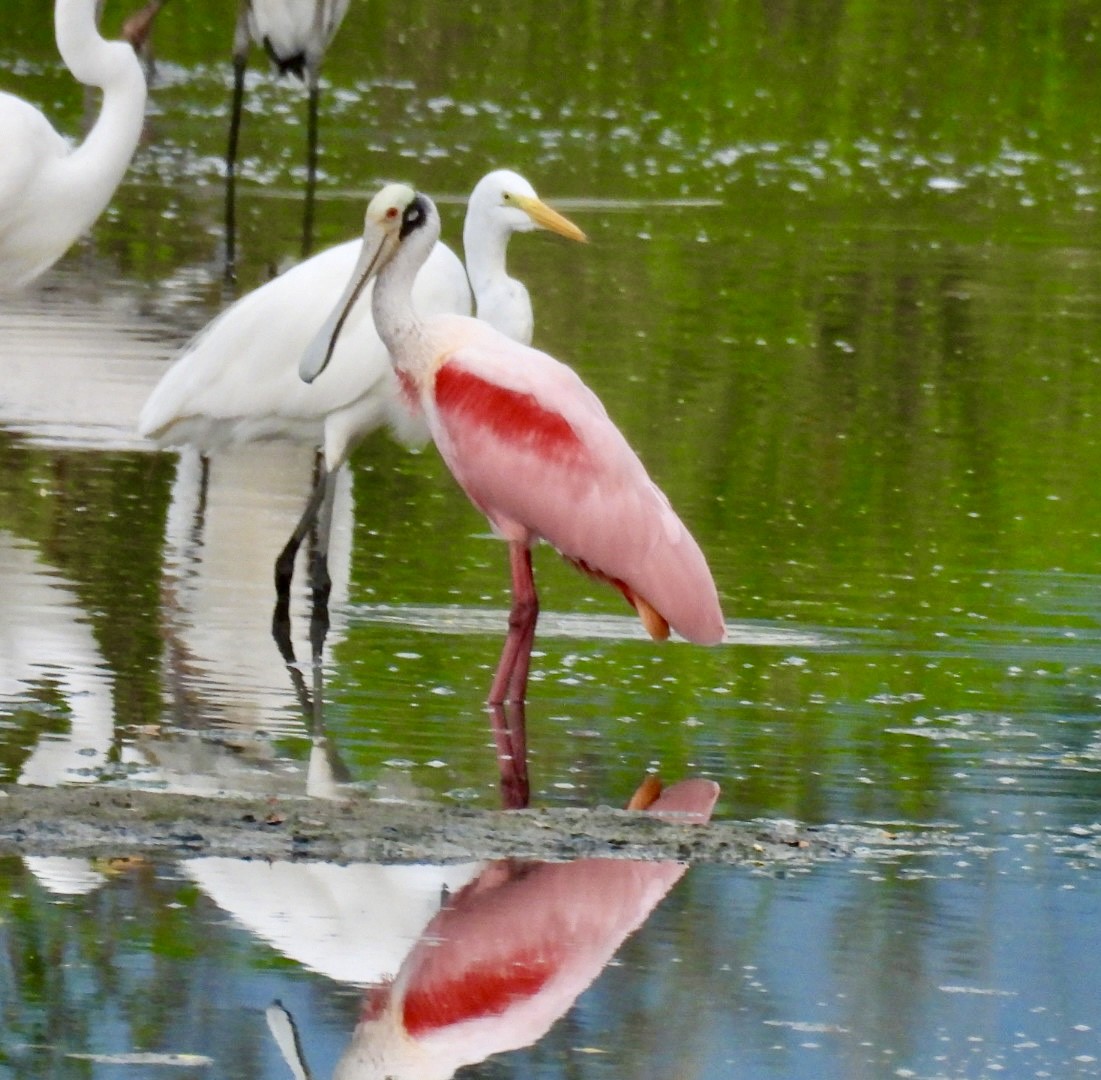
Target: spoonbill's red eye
392 212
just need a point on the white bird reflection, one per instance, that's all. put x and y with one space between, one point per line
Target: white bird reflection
222 670
503 958
76 363
354 924
457 963
46 642
224 528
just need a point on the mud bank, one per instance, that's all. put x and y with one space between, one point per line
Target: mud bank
96 821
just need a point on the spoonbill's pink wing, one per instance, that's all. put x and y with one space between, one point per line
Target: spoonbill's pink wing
516 946
535 450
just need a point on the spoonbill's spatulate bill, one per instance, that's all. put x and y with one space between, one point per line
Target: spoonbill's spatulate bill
530 444
50 192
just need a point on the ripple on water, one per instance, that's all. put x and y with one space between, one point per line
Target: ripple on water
459 619
77 365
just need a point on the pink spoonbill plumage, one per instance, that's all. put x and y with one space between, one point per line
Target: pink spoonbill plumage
530 444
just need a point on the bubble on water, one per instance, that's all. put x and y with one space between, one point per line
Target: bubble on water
983 991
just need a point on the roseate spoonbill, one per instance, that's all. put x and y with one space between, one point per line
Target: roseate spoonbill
505 957
238 379
295 34
50 192
528 442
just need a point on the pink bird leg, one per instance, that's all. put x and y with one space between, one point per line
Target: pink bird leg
510 738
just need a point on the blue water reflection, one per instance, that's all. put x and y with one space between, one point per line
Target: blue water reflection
886 968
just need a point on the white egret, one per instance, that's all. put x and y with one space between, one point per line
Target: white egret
238 379
50 192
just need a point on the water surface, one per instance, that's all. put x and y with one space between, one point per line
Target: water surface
841 296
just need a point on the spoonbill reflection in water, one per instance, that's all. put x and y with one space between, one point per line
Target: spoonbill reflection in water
238 379
528 442
51 192
505 957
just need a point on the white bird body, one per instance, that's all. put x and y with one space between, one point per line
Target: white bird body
502 203
237 381
295 33
50 192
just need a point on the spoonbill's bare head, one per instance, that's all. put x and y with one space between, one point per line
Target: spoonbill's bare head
396 213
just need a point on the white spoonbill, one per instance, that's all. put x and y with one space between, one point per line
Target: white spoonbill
529 443
238 379
51 192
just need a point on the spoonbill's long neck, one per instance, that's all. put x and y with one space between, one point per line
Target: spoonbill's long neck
99 163
396 319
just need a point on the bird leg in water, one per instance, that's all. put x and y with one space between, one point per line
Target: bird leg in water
231 166
241 42
509 725
320 582
319 511
311 162
511 681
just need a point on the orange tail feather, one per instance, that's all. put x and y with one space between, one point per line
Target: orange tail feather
656 624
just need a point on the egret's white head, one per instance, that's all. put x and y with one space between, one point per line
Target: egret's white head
505 198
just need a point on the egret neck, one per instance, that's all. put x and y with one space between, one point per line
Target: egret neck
99 163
